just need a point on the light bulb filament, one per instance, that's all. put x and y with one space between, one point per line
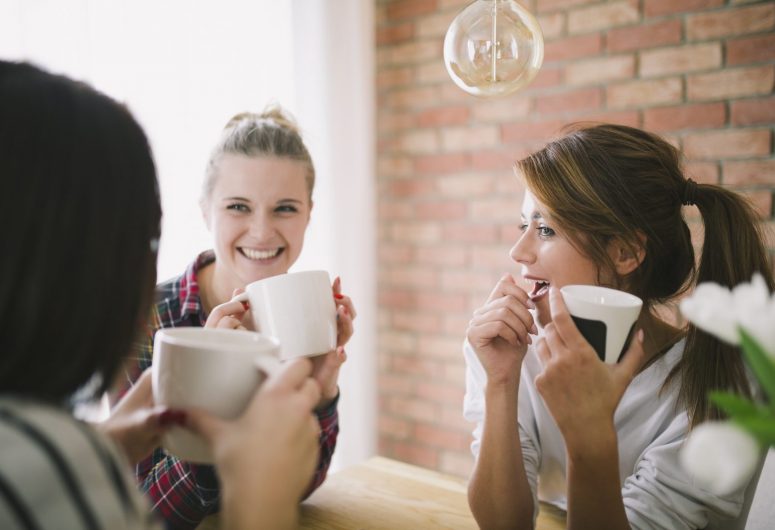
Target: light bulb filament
494 45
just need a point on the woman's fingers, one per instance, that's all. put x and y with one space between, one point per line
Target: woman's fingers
344 326
508 286
227 315
341 299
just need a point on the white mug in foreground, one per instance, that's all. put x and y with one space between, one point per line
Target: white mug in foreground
298 309
216 370
606 317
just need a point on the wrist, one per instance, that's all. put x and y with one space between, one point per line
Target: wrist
591 444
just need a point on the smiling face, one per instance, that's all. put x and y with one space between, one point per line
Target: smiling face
547 257
257 212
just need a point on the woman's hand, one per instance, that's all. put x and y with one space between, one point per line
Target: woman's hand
326 367
499 331
266 457
228 315
581 391
135 424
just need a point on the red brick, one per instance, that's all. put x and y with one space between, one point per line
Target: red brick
729 22
552 25
464 186
442 348
394 428
443 116
700 116
394 34
389 384
761 200
409 8
548 76
413 97
573 48
442 164
435 25
392 122
753 111
468 138
394 166
432 72
395 210
413 52
520 132
399 343
439 302
494 257
543 6
394 253
732 143
603 16
571 101
413 454
396 299
496 209
497 160
630 118
415 232
500 110
645 36
600 70
744 172
439 437
418 141
412 275
449 255
653 8
444 393
417 321
442 210
388 78
416 366
680 59
645 93
756 49
411 187
702 172
731 83
467 233
475 282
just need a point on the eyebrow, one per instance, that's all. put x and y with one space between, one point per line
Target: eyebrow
534 216
244 199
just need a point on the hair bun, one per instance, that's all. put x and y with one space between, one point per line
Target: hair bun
272 113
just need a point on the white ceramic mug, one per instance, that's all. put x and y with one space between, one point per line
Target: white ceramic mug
606 317
298 309
213 369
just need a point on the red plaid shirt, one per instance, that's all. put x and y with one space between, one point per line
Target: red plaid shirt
183 493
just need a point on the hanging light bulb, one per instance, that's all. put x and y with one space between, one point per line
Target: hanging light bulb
493 48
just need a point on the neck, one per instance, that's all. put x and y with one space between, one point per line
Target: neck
658 335
213 290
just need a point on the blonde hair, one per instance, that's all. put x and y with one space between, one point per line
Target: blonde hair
272 133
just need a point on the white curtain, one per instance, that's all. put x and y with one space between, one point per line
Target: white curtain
184 68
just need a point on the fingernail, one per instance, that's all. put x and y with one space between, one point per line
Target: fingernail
338 296
534 329
172 417
530 304
245 306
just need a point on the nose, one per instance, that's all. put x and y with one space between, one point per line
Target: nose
523 251
262 226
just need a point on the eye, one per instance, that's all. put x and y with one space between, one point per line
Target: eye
286 208
238 207
545 231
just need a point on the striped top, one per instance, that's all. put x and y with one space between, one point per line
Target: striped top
58 472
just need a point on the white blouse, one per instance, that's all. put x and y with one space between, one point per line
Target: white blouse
657 492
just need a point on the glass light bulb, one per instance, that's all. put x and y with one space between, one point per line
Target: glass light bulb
493 48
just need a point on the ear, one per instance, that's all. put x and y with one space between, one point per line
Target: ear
627 258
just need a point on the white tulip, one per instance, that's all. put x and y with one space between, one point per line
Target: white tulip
721 312
720 456
710 308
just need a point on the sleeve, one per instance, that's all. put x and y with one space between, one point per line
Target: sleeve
329 430
660 494
474 411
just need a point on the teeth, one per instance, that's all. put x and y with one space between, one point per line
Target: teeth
260 254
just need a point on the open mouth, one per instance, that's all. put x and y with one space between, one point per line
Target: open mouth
540 288
260 255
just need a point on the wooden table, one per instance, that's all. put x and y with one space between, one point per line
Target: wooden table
385 494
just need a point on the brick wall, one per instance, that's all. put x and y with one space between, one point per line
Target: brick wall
700 72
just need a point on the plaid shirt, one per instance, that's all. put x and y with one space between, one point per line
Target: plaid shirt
183 493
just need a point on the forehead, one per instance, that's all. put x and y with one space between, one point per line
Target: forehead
260 176
531 208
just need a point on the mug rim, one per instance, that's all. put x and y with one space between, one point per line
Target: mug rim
623 298
188 337
286 275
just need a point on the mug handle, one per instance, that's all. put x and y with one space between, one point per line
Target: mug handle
269 365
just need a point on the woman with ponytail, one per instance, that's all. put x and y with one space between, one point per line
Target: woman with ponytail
603 206
256 200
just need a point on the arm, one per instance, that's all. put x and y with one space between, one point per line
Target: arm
499 493
582 394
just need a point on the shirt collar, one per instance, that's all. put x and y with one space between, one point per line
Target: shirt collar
190 299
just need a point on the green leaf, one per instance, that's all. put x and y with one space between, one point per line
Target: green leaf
761 363
734 406
761 427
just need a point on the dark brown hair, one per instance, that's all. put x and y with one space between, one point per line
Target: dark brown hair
605 182
80 212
